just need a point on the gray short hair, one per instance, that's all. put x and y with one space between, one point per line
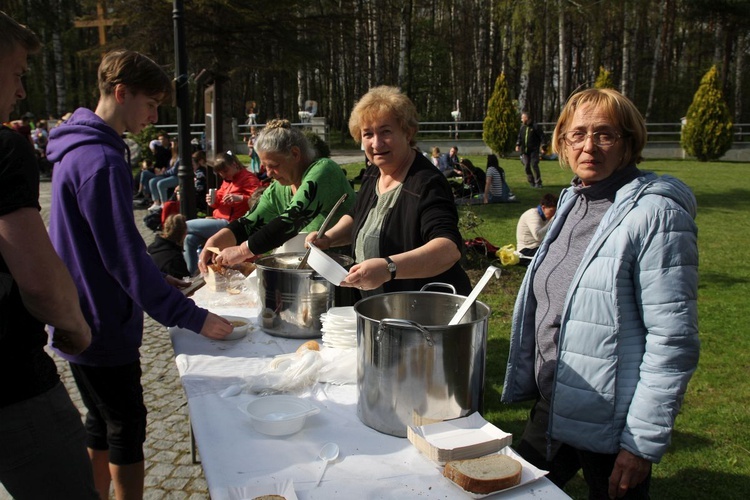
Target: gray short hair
278 136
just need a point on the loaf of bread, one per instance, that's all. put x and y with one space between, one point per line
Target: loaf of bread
484 474
310 345
217 279
245 268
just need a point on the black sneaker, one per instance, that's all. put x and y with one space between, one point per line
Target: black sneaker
538 185
138 196
142 203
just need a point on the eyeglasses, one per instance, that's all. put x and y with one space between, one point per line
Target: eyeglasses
603 139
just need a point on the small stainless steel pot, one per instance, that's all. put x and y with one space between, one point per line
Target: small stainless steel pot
292 299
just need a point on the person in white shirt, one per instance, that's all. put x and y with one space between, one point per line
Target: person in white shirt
533 225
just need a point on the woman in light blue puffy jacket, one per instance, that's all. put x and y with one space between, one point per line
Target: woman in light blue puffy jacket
605 327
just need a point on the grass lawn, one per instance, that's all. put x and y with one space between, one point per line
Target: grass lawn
710 452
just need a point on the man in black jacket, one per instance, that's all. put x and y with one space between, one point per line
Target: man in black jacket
530 139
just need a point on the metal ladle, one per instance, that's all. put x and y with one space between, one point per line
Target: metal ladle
323 228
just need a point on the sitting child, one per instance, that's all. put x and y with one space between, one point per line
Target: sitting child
166 250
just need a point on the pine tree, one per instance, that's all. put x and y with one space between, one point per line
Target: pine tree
707 135
500 126
604 80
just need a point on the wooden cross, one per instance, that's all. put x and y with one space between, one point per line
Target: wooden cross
100 22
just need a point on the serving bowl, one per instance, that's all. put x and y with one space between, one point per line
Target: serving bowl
279 415
326 266
240 324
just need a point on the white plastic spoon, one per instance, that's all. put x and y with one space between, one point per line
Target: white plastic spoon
474 294
328 453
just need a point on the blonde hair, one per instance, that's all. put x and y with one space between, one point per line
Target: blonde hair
435 152
622 114
175 228
278 136
384 101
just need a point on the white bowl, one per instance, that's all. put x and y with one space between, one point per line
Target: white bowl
241 326
326 266
279 415
345 313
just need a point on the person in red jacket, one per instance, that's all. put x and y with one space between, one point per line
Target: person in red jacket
230 203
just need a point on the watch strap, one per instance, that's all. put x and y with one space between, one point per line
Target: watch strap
391 267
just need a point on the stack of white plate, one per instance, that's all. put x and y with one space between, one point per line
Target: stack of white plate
339 327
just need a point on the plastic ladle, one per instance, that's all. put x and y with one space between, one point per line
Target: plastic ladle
328 453
474 294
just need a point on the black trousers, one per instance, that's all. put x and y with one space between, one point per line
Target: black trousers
531 166
565 461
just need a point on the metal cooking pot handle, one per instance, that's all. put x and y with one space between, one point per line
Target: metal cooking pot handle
403 323
443 285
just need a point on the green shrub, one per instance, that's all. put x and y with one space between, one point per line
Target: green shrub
500 126
321 147
707 135
604 80
143 139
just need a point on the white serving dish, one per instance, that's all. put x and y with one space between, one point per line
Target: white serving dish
458 439
345 313
279 415
326 266
239 331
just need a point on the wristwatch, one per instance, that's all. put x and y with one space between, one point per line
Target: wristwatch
391 267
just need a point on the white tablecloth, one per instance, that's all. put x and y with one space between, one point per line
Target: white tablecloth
370 465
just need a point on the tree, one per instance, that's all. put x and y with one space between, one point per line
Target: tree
501 123
275 52
707 135
604 80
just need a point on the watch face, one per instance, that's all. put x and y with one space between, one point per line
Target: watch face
391 266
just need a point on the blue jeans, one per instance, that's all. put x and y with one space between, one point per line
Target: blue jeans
198 231
160 187
44 448
146 176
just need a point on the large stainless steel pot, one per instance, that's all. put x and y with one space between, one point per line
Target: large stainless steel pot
412 368
292 299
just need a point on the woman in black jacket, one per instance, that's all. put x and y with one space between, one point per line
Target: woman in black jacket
404 227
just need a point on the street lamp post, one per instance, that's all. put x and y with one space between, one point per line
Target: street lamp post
182 99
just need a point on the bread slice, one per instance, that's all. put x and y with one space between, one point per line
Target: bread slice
484 474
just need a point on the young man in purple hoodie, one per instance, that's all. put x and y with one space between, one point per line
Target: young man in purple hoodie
92 228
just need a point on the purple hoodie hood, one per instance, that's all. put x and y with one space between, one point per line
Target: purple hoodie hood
83 128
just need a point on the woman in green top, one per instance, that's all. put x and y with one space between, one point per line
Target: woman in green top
304 192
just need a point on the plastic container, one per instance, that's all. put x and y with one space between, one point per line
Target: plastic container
241 325
279 415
